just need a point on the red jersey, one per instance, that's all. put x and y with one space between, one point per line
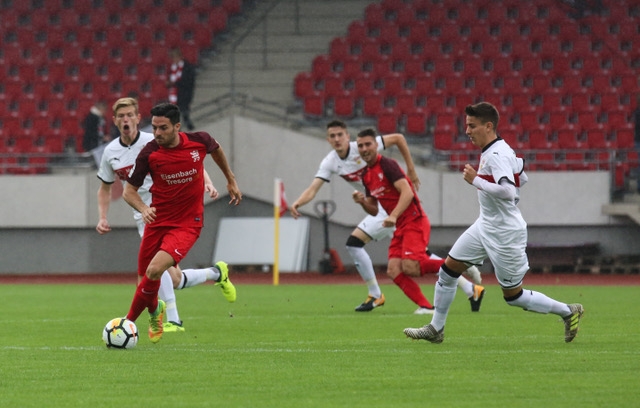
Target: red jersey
178 178
378 181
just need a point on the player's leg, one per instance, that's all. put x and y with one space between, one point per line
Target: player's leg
147 289
408 244
474 292
472 272
511 264
362 261
407 285
468 247
218 273
173 244
167 293
533 301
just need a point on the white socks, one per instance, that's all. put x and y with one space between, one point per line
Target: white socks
445 292
193 277
539 303
167 294
466 286
364 266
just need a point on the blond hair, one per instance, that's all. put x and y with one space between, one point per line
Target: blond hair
125 102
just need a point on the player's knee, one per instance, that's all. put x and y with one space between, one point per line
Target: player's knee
411 267
447 277
354 241
514 299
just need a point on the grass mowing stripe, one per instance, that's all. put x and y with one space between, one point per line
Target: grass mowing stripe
293 346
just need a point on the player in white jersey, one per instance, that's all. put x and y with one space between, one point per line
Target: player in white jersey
345 161
499 233
117 161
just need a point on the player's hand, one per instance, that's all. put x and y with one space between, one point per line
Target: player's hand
469 173
358 196
149 215
413 176
294 210
389 222
103 227
234 193
213 192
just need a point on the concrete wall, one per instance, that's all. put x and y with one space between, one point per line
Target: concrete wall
47 223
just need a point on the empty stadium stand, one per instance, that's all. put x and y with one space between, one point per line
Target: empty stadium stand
562 85
58 57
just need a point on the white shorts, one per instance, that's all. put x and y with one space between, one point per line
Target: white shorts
372 226
140 225
506 251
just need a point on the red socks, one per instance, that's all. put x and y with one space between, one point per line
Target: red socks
146 296
412 290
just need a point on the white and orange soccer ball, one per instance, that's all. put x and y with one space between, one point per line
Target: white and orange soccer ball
120 333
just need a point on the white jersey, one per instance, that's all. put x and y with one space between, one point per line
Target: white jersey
350 168
500 232
118 159
497 162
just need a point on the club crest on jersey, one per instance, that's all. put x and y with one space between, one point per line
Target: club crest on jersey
380 176
195 156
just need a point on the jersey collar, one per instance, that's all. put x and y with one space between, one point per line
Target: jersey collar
133 142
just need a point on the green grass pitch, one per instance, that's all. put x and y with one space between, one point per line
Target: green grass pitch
304 346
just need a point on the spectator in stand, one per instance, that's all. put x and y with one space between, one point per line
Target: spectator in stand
636 119
181 84
94 127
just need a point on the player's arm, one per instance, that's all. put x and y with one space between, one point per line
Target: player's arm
306 196
406 196
232 185
397 139
104 199
209 187
504 189
368 203
131 196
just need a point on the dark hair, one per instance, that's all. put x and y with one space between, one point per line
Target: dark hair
167 110
336 123
367 132
484 111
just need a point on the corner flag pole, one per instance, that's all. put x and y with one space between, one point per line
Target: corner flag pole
276 232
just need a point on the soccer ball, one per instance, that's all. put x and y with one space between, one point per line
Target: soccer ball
120 333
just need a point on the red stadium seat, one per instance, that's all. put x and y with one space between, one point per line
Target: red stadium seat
538 139
362 85
314 105
545 161
624 138
332 84
567 138
443 140
303 84
343 105
321 66
387 121
575 160
417 122
372 103
339 49
596 140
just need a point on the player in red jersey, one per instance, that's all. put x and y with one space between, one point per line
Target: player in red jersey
175 161
386 184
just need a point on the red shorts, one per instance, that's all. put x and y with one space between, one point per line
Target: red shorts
175 241
411 239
